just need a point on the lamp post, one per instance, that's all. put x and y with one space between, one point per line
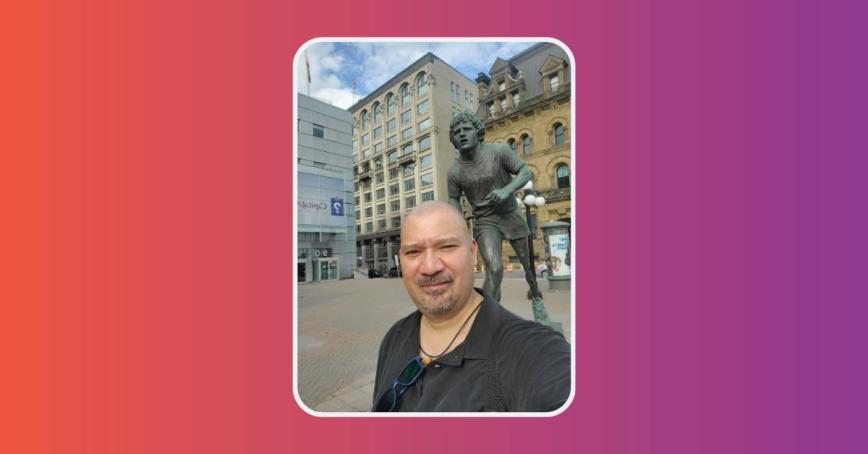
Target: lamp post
539 310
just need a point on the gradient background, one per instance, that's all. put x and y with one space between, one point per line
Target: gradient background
721 224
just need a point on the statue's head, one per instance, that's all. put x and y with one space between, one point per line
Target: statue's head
470 118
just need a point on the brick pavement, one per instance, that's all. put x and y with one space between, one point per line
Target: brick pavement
341 324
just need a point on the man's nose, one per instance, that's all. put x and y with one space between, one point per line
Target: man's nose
431 263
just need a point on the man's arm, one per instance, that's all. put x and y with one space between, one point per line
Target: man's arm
534 365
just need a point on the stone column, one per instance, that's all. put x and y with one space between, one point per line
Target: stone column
376 254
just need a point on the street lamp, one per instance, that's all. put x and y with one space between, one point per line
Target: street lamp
531 199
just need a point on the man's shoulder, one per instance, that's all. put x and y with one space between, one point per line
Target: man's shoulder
403 327
518 333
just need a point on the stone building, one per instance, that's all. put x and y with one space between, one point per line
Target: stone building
525 102
402 152
324 202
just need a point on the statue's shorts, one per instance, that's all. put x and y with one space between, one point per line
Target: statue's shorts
511 225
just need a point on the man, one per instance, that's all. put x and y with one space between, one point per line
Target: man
483 173
461 350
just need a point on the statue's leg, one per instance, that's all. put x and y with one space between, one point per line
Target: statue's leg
490 244
539 310
520 247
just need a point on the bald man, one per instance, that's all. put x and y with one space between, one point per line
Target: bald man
461 350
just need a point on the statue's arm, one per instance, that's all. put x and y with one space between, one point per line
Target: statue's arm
516 166
454 191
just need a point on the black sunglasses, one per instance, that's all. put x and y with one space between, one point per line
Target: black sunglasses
390 399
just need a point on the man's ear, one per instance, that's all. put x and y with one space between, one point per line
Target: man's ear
473 248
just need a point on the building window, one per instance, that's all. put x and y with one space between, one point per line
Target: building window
424 124
365 121
426 180
369 212
405 95
379 147
407 133
422 108
357 202
491 109
562 171
355 130
355 144
381 208
425 161
369 227
410 202
426 196
515 100
381 193
318 131
410 184
525 144
422 85
396 222
378 132
366 139
503 104
359 228
553 81
468 100
378 113
501 86
406 116
455 91
513 145
381 224
378 162
395 205
559 134
367 199
425 143
407 149
380 178
393 156
391 141
390 125
409 170
391 104
395 188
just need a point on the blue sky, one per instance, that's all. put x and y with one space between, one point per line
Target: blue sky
333 66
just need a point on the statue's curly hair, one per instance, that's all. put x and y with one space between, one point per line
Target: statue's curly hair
473 119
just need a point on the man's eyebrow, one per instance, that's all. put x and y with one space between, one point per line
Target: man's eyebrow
437 242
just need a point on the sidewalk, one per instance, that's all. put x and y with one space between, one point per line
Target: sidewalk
341 323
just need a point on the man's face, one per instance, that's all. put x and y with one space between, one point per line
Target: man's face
437 260
464 136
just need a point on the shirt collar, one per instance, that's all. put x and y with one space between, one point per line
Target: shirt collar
477 344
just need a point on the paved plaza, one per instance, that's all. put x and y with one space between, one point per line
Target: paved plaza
341 323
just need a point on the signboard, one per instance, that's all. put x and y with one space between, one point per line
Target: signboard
320 201
559 250
337 206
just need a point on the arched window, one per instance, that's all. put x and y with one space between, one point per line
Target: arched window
378 114
390 105
365 122
562 171
512 144
559 134
422 84
525 144
405 95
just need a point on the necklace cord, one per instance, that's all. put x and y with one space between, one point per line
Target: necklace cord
434 358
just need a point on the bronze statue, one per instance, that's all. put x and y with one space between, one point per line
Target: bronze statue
483 173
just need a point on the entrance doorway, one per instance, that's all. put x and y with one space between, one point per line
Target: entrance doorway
325 270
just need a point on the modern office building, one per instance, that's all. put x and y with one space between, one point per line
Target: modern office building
324 202
401 151
525 102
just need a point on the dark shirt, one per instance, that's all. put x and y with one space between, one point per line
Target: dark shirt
529 361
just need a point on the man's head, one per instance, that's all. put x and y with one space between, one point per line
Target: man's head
466 131
437 259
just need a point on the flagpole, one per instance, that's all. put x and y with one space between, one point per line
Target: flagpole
307 64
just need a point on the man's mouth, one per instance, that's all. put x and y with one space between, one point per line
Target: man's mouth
435 286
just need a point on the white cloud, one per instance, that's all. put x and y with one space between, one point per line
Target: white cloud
334 67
